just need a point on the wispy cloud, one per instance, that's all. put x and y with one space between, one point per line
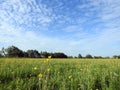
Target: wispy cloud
25 13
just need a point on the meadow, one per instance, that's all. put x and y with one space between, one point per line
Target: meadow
59 74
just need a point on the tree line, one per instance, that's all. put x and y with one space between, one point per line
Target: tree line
14 51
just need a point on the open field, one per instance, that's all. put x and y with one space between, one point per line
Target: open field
59 74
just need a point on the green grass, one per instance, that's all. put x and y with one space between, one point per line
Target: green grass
59 74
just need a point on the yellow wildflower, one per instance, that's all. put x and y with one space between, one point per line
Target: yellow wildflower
70 77
40 75
35 68
48 69
49 57
46 60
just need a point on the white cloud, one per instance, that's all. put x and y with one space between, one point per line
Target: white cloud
30 40
111 10
94 45
25 12
73 29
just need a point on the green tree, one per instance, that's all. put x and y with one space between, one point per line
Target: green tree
118 56
89 56
3 52
32 54
98 57
25 54
115 56
70 56
59 55
44 54
13 51
79 56
1 55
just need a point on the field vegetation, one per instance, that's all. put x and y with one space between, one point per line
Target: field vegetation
59 74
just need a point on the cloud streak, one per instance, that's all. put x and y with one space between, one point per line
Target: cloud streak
24 13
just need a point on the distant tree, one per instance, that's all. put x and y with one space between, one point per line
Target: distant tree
25 54
3 52
13 51
107 57
70 56
79 56
32 54
115 56
98 57
44 54
1 55
75 56
37 54
51 54
88 56
118 56
59 55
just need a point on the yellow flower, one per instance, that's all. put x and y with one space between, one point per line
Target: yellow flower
46 60
49 57
48 69
35 68
70 77
40 75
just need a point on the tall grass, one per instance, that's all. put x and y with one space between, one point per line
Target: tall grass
59 74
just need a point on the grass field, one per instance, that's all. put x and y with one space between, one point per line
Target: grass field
59 74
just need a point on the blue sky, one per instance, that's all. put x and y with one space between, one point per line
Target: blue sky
69 26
